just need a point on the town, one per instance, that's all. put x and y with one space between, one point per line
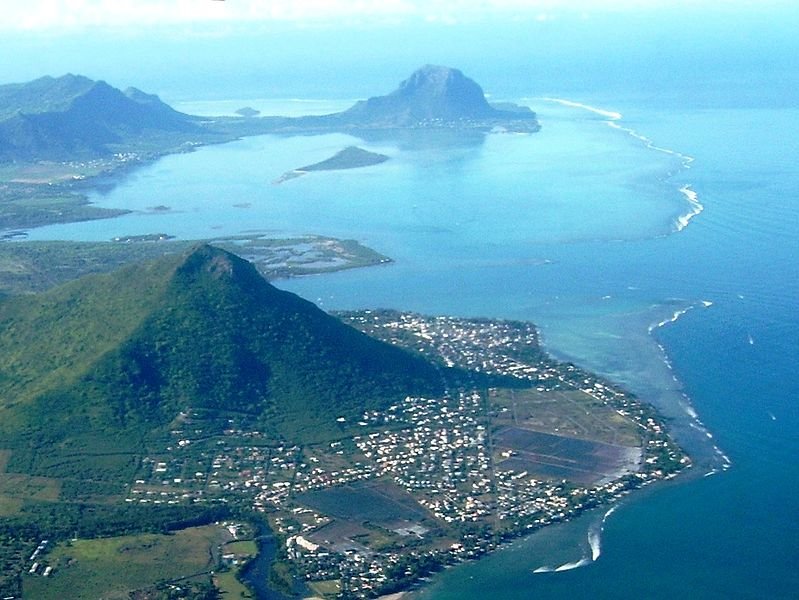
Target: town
427 481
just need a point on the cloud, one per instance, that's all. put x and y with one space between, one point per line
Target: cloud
77 14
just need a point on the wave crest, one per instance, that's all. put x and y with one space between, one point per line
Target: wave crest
695 207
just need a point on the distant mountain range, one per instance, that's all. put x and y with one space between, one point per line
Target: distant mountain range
73 117
122 355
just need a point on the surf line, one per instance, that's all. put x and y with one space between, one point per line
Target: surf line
594 542
695 207
722 461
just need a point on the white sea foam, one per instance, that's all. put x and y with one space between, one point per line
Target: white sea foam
595 534
609 114
695 207
612 510
595 542
573 565
673 319
690 411
676 316
722 462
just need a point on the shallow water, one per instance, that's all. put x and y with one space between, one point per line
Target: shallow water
578 229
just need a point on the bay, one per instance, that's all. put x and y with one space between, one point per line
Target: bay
576 228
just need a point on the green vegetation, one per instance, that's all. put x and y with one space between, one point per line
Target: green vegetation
37 266
61 521
117 566
94 369
22 208
177 392
229 586
326 589
351 157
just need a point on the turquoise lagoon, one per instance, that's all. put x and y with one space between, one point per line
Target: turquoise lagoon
657 247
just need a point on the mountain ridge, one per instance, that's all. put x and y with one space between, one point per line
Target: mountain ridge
201 330
72 116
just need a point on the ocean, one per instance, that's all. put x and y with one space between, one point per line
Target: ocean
652 238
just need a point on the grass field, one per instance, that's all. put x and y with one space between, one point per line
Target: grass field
325 589
241 548
229 587
570 413
15 488
113 567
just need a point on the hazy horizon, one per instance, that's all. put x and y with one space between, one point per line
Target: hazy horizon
559 49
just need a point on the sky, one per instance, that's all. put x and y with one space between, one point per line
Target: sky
351 49
54 15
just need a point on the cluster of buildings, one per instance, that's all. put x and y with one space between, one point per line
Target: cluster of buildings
37 568
438 451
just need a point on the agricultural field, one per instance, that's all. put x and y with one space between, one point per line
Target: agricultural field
564 412
15 488
377 502
367 517
556 457
115 567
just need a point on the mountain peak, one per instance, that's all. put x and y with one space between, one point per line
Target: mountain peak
58 118
436 80
434 95
201 330
211 260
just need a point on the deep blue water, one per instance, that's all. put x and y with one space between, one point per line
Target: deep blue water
575 228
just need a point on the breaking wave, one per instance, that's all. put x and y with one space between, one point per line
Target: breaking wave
695 207
594 543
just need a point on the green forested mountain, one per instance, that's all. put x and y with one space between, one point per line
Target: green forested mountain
72 116
105 361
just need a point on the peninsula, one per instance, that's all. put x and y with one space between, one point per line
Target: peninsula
433 97
376 446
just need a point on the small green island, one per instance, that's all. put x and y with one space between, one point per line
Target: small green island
351 157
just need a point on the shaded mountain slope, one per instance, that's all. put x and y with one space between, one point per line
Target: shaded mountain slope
72 116
126 353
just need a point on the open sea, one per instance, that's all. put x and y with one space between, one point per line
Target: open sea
653 239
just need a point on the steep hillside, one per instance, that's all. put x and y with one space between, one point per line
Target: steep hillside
113 359
72 117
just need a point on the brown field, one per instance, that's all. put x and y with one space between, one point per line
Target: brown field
549 456
366 515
